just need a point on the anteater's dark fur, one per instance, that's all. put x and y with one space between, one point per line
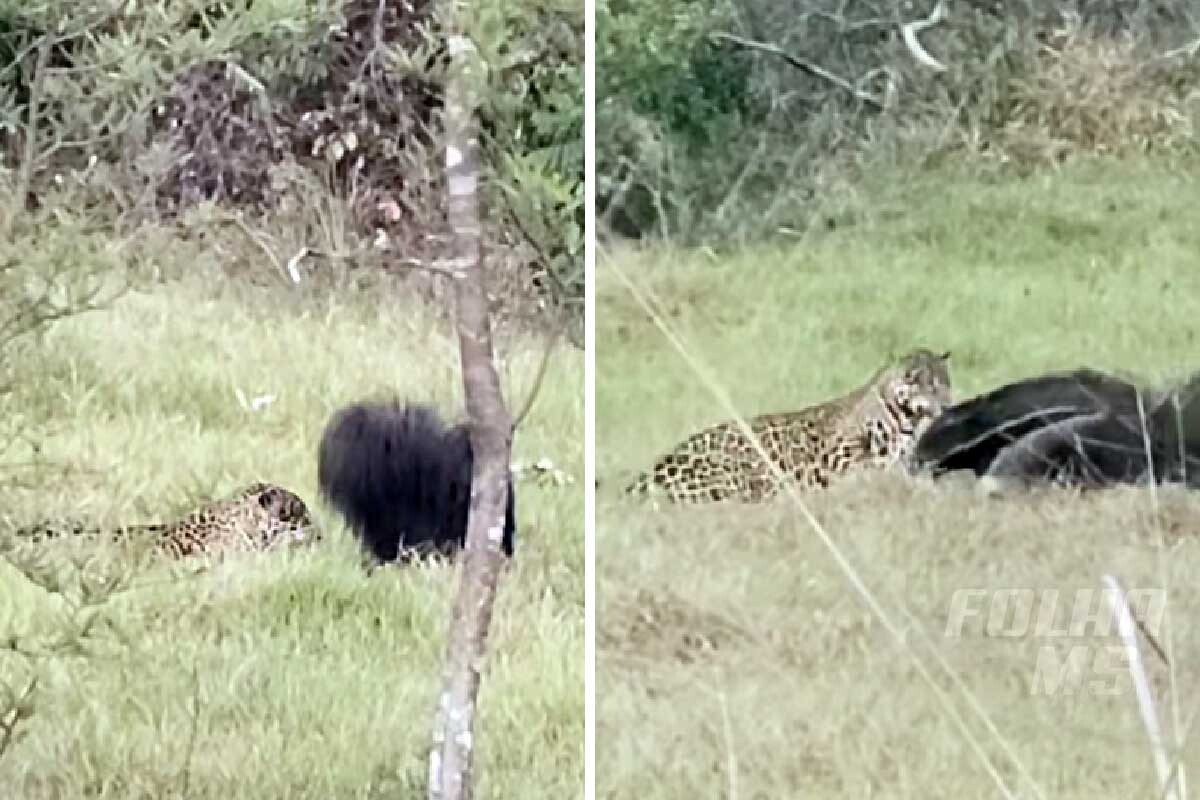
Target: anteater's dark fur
1083 428
401 479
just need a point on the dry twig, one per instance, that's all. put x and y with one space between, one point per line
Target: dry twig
810 67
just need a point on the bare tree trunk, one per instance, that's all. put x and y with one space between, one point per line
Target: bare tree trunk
491 429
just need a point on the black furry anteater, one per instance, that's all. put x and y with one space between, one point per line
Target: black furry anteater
401 479
1083 427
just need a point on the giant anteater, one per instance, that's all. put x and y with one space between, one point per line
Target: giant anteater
401 479
1080 428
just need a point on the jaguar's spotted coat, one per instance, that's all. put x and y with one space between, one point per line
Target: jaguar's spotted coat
874 426
260 516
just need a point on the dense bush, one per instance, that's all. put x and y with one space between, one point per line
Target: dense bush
707 133
664 97
143 112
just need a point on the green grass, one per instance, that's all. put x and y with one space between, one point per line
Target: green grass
287 675
735 659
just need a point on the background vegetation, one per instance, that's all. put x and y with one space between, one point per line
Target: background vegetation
315 124
218 223
705 140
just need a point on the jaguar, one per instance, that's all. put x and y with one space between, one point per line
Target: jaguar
872 427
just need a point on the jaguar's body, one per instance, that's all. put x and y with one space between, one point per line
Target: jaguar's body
872 427
261 516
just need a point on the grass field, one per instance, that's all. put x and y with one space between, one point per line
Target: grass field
287 675
736 660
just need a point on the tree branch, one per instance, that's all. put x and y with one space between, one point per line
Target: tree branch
543 366
816 70
25 170
909 31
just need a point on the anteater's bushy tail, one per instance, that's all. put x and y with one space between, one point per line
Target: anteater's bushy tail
401 479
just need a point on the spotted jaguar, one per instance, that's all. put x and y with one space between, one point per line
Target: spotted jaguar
261 516
873 427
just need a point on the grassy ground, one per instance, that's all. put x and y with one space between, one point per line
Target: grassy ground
291 675
734 657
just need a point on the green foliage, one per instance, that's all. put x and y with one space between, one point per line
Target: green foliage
659 64
547 207
533 114
82 588
52 271
665 94
116 80
710 143
117 65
